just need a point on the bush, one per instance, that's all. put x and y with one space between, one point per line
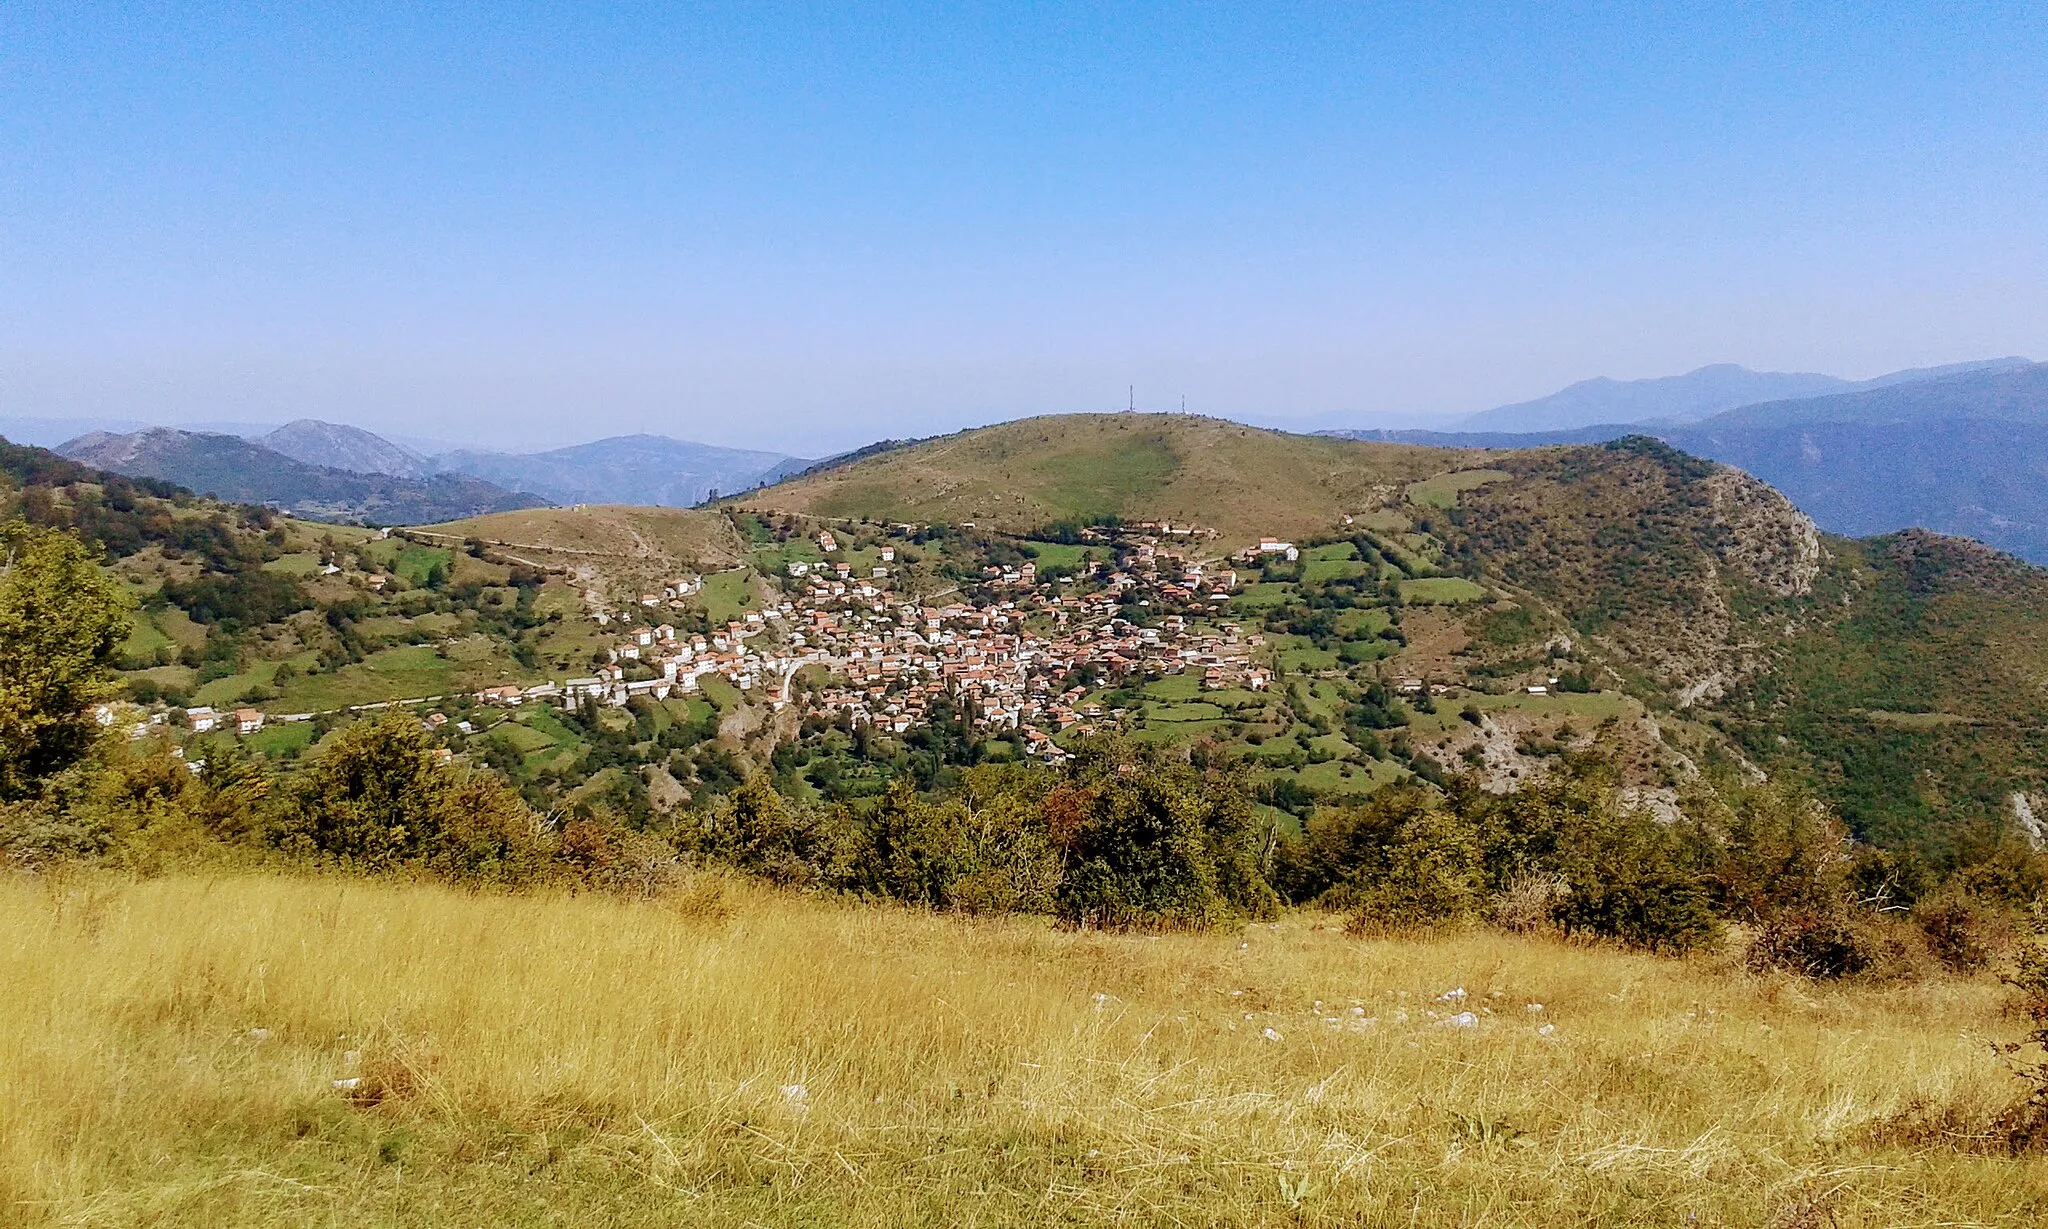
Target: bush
911 849
375 801
1011 864
1629 880
757 830
1147 844
1527 902
1432 875
2024 1124
61 622
1956 932
1775 849
1823 944
600 852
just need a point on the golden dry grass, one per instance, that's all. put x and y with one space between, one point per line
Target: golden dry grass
639 541
731 1056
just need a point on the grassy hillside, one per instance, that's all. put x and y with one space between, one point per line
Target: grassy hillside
1924 707
1240 480
171 1050
1902 677
625 546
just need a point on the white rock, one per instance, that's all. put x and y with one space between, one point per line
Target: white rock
1271 1034
1534 1008
1452 996
795 1093
352 1082
1463 1019
1548 1030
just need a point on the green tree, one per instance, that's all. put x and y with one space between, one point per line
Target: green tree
1434 876
759 831
912 849
61 620
375 800
1150 843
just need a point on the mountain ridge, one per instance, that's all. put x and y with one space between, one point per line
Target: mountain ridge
1694 395
242 471
648 469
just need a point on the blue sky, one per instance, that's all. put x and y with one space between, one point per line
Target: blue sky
799 229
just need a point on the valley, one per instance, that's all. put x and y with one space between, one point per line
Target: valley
1416 614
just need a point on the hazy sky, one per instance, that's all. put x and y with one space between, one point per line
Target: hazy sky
759 225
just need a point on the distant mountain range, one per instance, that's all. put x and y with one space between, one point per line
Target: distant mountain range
1674 400
628 469
337 472
243 471
1960 450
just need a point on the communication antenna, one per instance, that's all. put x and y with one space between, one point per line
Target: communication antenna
1134 399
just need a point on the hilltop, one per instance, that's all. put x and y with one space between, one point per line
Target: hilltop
1707 391
1074 468
339 446
1956 450
613 550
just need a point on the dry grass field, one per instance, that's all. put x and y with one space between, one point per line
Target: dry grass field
249 1050
662 537
624 548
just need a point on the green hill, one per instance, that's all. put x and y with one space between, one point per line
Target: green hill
1906 676
1240 480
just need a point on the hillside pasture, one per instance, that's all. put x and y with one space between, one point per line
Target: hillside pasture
1443 490
1441 591
245 1051
1022 475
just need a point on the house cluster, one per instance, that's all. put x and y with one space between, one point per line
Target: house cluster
1024 659
1023 655
204 720
1266 550
674 592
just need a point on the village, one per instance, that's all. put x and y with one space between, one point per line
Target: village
1017 652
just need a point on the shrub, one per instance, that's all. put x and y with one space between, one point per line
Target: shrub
61 621
1433 875
757 830
1147 844
2024 1124
1823 943
1011 863
1956 932
1775 848
1629 880
599 851
1527 902
911 849
374 800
